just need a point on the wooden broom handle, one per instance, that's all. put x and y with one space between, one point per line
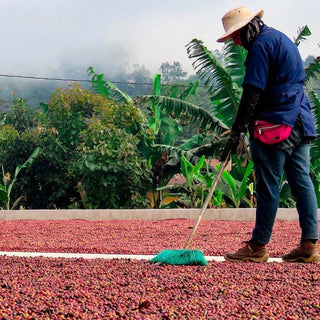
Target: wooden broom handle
209 197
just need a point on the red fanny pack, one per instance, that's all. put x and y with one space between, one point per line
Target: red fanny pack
270 133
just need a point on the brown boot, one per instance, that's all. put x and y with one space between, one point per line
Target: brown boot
250 252
305 252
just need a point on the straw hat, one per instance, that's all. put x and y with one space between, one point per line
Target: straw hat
235 19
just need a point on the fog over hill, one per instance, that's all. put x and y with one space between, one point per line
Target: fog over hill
62 38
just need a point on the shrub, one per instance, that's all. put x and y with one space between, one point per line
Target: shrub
113 172
89 152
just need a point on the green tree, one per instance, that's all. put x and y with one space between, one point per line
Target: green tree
113 172
21 116
172 72
100 136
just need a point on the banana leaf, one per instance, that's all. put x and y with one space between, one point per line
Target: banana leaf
235 57
197 116
315 146
313 70
303 33
106 88
223 90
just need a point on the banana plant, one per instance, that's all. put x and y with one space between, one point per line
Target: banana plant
196 116
198 180
223 83
315 146
6 188
222 79
236 190
169 113
107 88
193 176
312 76
166 129
303 33
155 118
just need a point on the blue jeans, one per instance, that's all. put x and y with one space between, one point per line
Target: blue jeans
269 163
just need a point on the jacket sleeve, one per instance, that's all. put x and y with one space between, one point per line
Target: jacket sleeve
250 98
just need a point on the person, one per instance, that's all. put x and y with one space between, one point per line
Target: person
273 92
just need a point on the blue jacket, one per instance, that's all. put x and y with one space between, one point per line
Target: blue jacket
274 65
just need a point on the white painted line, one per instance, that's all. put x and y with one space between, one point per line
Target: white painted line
75 255
222 259
100 256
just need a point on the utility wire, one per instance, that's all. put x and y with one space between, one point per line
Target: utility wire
86 80
41 78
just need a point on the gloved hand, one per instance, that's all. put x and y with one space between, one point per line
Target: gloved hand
231 146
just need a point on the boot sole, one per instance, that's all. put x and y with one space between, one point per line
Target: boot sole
314 258
250 259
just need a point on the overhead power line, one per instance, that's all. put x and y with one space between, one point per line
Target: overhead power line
74 80
86 80
43 78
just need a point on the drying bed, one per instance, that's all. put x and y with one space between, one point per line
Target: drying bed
61 288
137 236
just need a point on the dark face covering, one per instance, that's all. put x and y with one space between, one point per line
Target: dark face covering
250 32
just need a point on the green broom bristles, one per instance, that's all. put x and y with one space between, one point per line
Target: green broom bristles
180 257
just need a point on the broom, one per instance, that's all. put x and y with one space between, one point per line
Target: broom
186 256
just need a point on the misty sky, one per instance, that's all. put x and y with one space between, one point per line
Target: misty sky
40 36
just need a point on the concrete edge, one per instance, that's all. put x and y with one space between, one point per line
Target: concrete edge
242 214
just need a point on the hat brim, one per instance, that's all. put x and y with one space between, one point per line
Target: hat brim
238 26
